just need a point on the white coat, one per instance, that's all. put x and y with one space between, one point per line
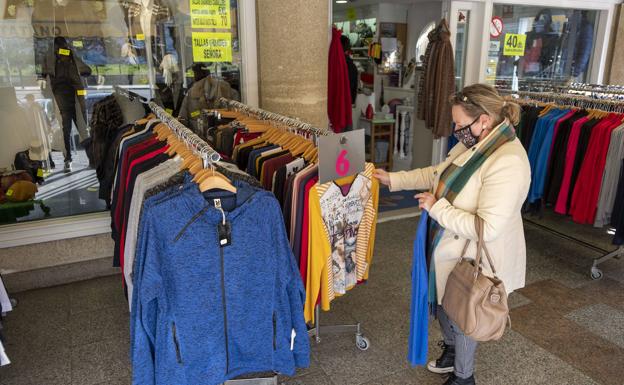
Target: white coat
495 192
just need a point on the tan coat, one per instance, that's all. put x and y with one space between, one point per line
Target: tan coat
495 192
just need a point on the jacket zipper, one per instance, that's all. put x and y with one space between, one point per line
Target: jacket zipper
225 322
274 332
176 343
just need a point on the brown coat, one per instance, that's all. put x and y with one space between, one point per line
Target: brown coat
438 82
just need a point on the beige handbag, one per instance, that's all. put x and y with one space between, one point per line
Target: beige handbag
475 302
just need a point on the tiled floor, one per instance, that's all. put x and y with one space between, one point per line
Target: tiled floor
567 329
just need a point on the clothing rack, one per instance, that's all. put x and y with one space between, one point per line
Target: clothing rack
361 341
209 155
579 101
266 115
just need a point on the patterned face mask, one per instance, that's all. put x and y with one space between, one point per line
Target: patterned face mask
465 135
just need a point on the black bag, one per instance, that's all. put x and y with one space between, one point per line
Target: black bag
23 162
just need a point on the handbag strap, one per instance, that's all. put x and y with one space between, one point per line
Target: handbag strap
481 248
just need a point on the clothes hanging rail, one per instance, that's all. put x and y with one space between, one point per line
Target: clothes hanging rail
266 115
578 101
361 341
133 96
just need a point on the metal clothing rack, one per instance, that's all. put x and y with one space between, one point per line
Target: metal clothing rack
361 341
209 155
575 100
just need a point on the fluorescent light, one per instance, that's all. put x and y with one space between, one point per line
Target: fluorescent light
341 1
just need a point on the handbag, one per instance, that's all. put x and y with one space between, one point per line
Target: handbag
475 302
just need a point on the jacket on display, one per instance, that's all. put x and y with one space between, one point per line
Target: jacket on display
495 192
338 86
204 94
438 82
206 313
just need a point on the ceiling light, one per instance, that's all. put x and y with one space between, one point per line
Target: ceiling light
341 1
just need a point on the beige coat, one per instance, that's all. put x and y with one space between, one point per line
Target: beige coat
495 192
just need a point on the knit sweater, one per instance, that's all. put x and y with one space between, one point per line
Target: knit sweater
210 313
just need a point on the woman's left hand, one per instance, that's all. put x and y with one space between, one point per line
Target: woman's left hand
426 200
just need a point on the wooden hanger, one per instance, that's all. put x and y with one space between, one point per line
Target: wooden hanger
213 182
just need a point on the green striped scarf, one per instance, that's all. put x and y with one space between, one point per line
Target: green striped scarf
452 181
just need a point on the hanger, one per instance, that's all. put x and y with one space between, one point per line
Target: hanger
209 179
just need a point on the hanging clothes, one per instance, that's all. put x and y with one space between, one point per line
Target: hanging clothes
438 82
617 219
338 86
418 342
608 188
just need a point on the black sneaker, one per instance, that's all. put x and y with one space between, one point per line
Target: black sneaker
454 380
68 166
446 362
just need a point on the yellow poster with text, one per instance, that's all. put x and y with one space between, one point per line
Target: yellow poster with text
514 44
210 14
212 47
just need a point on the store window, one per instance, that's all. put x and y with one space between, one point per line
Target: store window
60 58
532 45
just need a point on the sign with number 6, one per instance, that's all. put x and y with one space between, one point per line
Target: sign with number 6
341 155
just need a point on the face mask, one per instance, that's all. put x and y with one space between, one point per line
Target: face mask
465 135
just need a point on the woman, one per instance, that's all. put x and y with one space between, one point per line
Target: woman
486 174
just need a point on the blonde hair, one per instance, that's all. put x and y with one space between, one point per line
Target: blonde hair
480 99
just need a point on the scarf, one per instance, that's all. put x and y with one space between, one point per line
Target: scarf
452 181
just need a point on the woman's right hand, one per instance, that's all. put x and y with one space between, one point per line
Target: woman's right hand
383 176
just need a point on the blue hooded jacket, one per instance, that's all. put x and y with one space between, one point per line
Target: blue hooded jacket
208 313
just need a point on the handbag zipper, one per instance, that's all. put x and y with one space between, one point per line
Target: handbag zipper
176 343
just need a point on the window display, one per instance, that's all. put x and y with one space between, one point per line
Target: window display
60 58
531 44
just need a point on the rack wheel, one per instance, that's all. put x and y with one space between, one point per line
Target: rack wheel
596 273
362 342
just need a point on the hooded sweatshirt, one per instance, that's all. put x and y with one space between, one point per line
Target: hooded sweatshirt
208 313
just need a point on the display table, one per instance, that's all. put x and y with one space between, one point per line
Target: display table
378 129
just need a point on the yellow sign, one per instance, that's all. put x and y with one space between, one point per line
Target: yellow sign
195 114
351 14
81 92
9 192
212 47
514 44
78 43
210 14
40 173
140 36
64 52
169 111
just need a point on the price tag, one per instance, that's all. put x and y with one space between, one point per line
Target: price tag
81 92
9 192
64 52
195 114
169 111
341 155
78 43
140 36
514 44
40 173
210 14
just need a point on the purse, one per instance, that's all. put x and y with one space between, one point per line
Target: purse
475 302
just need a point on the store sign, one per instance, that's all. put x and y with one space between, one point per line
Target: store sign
212 47
351 14
496 27
140 36
514 44
341 155
210 14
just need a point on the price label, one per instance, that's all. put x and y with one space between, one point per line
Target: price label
81 92
40 173
514 44
9 192
140 36
210 14
195 114
169 111
78 43
64 52
341 155
212 47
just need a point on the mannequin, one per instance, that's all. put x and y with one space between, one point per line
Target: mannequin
65 71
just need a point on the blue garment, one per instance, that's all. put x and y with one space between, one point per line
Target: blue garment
540 152
419 316
208 313
255 154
